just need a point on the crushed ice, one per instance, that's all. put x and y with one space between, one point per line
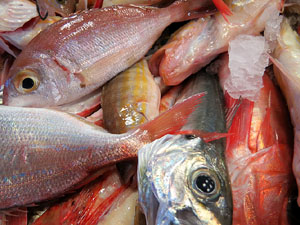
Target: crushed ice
248 59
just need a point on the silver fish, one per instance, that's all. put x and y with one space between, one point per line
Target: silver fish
182 179
44 153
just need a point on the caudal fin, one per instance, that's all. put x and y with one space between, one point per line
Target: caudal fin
173 119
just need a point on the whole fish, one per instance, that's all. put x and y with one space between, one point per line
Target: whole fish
259 156
287 72
197 43
130 99
44 153
80 53
181 178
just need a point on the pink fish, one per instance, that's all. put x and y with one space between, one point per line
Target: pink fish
80 53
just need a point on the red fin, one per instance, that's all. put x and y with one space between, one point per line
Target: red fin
206 136
173 119
93 218
231 110
223 8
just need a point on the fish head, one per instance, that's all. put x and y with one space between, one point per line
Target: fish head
183 181
35 80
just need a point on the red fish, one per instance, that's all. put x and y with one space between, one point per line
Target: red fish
259 157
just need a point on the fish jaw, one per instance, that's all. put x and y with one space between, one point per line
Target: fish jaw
177 200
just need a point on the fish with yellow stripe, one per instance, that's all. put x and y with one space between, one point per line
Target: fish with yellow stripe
130 99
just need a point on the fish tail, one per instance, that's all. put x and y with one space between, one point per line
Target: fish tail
173 119
182 10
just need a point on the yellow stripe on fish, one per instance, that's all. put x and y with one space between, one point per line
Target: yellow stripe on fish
130 99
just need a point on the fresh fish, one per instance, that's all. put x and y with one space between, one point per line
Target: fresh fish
287 72
181 178
94 203
259 157
15 13
80 53
55 7
197 43
45 153
21 37
130 99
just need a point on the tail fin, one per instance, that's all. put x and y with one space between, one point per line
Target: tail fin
182 10
173 119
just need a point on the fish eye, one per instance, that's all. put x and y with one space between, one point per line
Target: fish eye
26 81
205 183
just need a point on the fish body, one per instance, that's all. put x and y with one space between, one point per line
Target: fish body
80 53
182 179
259 157
197 43
45 153
130 99
287 72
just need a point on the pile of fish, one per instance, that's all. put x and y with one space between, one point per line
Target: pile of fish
149 112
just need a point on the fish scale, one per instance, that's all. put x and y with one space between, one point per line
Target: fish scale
45 153
136 102
80 53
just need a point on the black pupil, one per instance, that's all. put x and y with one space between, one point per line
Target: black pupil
205 183
27 83
60 1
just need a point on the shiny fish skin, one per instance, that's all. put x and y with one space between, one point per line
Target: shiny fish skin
167 166
77 54
130 99
197 43
45 153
